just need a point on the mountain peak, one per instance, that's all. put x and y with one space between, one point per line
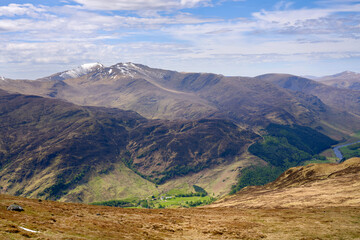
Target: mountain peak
127 68
81 70
128 65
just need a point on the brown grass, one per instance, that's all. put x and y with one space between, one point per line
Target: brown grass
57 220
314 185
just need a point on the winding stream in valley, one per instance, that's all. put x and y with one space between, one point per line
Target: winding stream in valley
337 151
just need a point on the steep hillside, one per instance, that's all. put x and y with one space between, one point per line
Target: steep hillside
48 145
50 148
314 185
344 103
163 94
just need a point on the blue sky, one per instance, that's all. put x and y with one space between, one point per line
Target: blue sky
230 37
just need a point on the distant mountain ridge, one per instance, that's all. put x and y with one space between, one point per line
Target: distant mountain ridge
344 74
162 94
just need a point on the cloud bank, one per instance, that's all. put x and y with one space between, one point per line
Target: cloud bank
168 34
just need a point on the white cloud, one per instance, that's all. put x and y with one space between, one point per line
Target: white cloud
141 4
20 9
294 16
283 5
337 1
62 23
291 17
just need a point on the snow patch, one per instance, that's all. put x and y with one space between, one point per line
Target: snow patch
2 78
81 70
128 69
130 65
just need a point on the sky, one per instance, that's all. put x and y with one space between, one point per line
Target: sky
229 37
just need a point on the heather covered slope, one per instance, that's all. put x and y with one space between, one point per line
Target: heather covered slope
314 185
49 147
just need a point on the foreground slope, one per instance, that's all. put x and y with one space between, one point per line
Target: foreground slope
52 149
276 211
314 185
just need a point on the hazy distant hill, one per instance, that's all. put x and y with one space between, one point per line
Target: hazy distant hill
347 80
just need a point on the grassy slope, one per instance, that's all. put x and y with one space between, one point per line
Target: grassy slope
216 181
351 151
119 183
122 183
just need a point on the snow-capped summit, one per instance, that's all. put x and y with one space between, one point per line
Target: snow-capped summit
128 69
81 70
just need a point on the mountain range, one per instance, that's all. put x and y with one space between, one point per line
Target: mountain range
163 94
98 133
